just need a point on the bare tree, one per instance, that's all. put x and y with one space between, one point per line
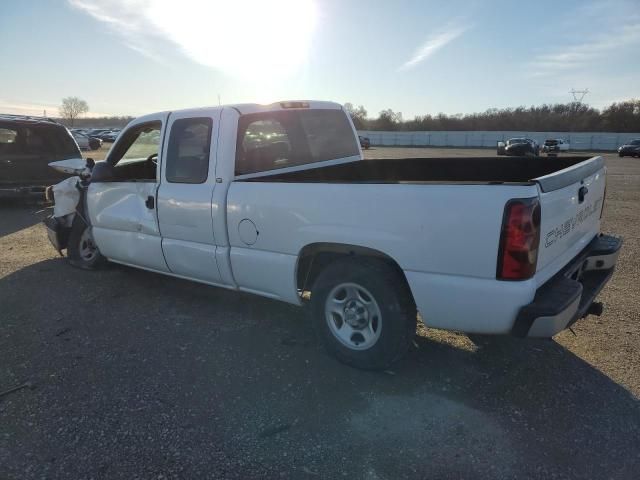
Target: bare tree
358 115
388 120
72 108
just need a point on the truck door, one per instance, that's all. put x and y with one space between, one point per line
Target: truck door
122 205
185 212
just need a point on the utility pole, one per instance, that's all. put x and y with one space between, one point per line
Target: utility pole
578 95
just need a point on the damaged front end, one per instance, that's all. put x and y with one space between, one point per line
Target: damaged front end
68 197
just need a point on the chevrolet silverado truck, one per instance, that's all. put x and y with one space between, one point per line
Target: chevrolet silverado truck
278 201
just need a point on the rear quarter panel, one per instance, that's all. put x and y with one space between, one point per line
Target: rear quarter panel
445 235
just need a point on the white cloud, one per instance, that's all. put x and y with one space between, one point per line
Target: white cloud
432 44
586 54
246 38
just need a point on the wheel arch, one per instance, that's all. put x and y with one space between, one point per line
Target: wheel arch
313 257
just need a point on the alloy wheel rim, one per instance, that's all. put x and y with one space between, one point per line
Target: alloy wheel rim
88 249
353 316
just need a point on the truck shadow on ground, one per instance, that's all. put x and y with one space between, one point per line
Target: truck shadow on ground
131 351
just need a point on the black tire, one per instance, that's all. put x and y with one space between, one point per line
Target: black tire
77 246
620 155
391 295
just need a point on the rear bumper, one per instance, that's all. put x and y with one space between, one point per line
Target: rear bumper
568 296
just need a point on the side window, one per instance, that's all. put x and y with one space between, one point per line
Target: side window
134 155
8 144
265 146
188 151
63 143
36 142
145 144
7 136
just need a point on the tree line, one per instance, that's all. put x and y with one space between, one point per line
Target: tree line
96 122
562 117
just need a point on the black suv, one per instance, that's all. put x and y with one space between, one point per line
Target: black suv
630 149
27 146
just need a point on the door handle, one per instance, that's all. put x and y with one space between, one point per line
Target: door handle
581 193
150 202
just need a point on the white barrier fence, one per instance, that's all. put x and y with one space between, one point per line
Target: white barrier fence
577 140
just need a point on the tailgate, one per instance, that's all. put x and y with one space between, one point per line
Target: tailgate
571 201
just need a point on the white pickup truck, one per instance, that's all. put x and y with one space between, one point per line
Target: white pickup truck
277 200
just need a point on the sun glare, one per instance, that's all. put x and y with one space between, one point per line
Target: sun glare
248 39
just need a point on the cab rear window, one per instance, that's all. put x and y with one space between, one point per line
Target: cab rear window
274 140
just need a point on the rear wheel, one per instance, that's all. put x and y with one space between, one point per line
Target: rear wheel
363 312
81 249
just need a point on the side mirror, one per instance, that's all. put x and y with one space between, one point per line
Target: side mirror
90 163
103 172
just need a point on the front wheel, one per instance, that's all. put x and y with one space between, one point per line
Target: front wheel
81 249
363 312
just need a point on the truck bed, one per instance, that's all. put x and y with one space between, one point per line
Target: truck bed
489 170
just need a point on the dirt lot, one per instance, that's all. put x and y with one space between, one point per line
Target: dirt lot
136 375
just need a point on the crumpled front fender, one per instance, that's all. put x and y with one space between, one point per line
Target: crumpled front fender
66 196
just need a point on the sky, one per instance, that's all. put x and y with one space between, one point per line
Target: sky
131 57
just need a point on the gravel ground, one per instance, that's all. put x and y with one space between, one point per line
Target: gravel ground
137 375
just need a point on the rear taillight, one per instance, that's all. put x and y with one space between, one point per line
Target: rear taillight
604 198
519 240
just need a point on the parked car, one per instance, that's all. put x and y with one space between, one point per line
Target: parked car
109 136
555 145
81 139
97 132
519 147
630 149
277 200
27 146
86 142
364 142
